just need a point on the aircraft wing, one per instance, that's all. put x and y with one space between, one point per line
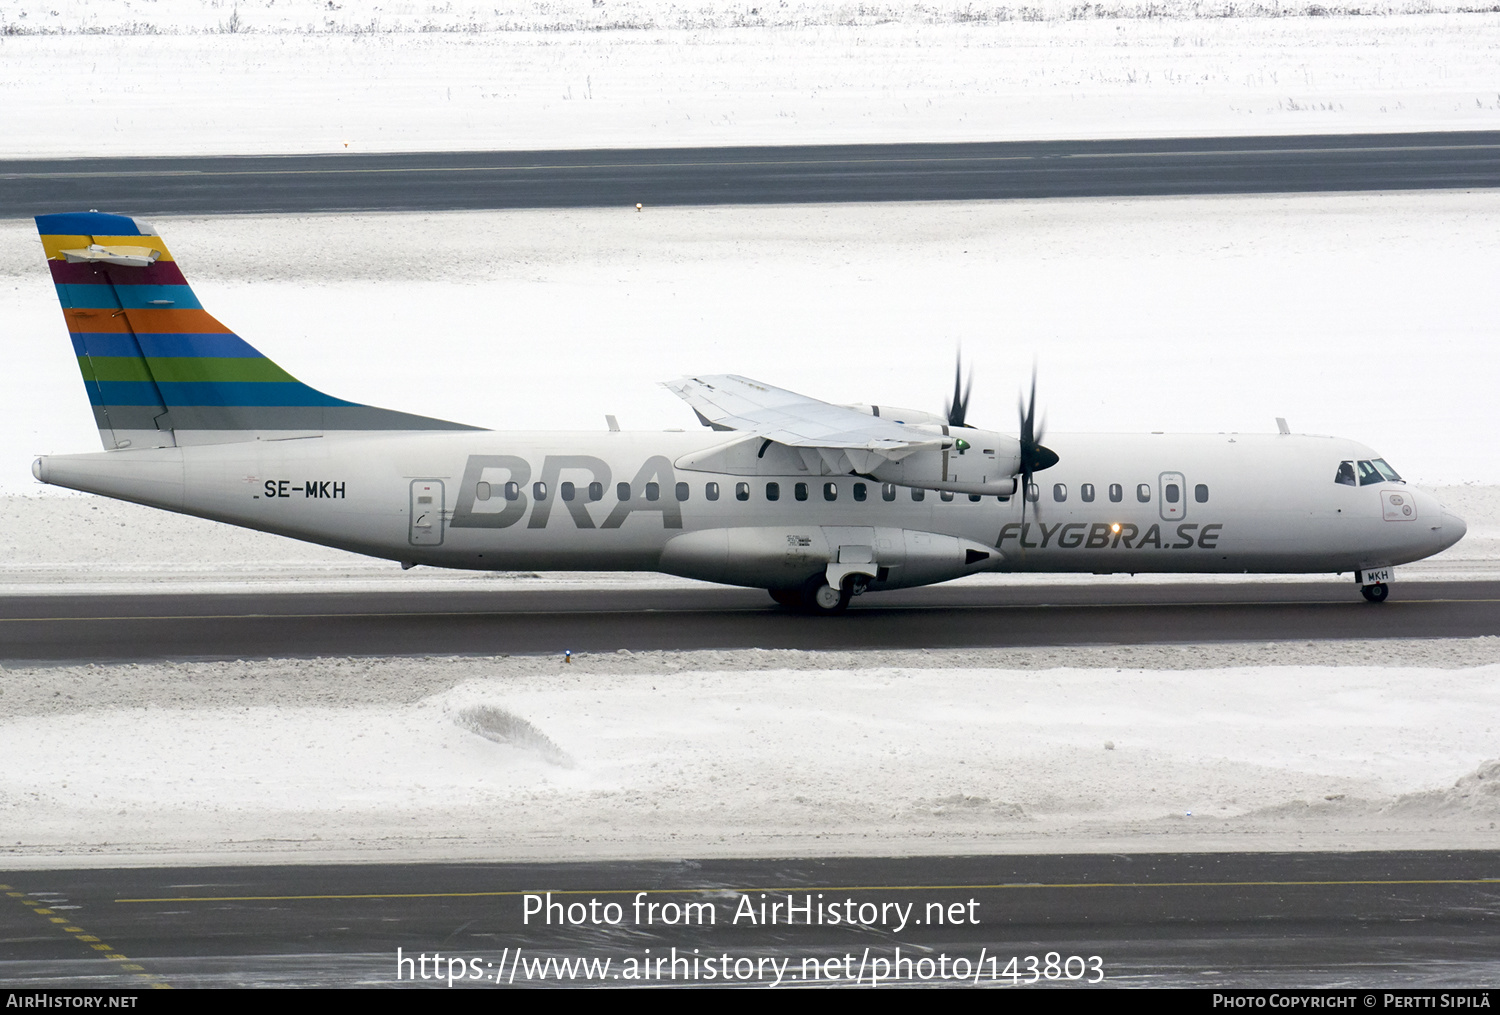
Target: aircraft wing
731 402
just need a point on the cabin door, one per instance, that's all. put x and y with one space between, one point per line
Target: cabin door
426 512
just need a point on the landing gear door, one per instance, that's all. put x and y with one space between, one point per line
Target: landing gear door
426 512
1173 496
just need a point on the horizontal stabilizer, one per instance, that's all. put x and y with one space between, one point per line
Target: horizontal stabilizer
95 253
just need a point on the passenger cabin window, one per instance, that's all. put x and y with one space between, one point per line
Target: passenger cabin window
1059 492
773 491
974 498
946 495
512 490
1143 493
1200 493
1086 491
742 491
653 491
830 491
539 491
800 491
622 491
917 494
860 492
1033 494
711 491
566 491
682 491
887 491
1116 493
1172 493
482 491
596 492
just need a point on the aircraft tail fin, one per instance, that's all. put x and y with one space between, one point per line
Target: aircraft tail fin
159 369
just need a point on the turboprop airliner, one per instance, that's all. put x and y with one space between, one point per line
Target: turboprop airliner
814 502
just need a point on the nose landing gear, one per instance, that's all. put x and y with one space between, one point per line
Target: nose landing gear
1375 593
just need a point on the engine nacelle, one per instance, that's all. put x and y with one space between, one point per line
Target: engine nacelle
973 461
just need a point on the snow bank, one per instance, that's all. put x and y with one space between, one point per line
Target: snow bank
357 80
1368 316
749 753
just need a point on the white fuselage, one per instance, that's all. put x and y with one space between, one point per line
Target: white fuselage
494 500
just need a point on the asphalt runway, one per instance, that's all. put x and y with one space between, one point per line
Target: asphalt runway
436 181
522 620
1362 920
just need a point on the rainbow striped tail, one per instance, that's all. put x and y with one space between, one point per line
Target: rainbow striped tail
159 370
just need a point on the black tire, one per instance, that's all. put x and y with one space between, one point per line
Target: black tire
1375 593
821 598
790 598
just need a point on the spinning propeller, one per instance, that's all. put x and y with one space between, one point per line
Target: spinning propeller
1034 456
958 407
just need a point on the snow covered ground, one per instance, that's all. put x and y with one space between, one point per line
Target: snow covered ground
1333 746
1368 316
1365 315
305 77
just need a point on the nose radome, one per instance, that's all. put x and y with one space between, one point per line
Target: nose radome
1454 528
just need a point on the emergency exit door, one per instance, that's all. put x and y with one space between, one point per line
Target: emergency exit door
426 512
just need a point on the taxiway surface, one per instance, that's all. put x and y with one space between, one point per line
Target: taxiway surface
440 181
1367 920
521 620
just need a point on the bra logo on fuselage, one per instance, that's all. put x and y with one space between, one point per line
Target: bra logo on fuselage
500 511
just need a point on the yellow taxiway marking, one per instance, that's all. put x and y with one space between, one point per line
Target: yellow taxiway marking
821 888
112 954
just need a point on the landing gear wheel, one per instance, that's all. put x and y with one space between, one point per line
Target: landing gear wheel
820 597
787 597
1376 593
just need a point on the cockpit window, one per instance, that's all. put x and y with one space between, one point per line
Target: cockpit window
1376 472
1346 474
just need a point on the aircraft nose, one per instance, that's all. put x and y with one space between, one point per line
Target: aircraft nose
1454 528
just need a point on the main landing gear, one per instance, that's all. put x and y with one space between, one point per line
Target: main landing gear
1375 593
817 596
